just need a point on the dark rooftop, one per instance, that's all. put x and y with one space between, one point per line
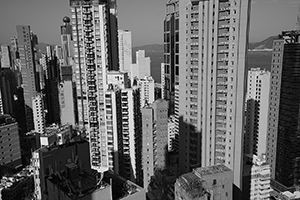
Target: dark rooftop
6 119
192 184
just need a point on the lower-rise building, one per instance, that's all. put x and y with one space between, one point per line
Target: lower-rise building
256 178
17 186
214 182
49 160
10 151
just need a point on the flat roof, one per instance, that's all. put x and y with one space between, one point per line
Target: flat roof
211 170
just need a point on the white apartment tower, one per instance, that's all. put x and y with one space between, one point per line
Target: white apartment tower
143 64
125 50
256 116
123 130
94 23
147 87
38 113
213 38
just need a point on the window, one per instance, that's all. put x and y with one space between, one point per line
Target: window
214 182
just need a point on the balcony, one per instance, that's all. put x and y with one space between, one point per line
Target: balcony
221 121
222 75
222 92
227 26
224 114
224 18
222 83
224 35
87 30
223 43
223 67
221 129
224 9
223 59
224 51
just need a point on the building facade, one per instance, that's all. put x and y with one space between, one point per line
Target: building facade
6 59
143 64
256 178
95 51
26 43
125 50
155 138
147 89
67 97
10 150
256 114
213 38
283 150
214 182
39 113
171 52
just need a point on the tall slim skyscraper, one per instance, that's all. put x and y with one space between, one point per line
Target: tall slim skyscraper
67 41
94 27
256 114
125 51
171 53
67 97
213 38
26 43
52 78
155 138
283 149
38 113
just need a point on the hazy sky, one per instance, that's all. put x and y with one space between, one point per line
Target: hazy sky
143 17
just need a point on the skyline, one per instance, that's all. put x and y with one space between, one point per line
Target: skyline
268 18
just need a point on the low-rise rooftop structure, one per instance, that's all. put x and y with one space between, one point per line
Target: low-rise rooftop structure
205 183
17 186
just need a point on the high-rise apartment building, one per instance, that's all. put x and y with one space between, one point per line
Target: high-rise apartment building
8 87
123 130
94 26
6 59
147 90
155 138
143 64
67 42
67 97
256 114
1 104
172 136
171 52
52 79
10 150
26 43
38 113
125 50
283 150
213 38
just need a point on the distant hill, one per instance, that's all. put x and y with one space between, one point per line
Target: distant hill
265 44
150 47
